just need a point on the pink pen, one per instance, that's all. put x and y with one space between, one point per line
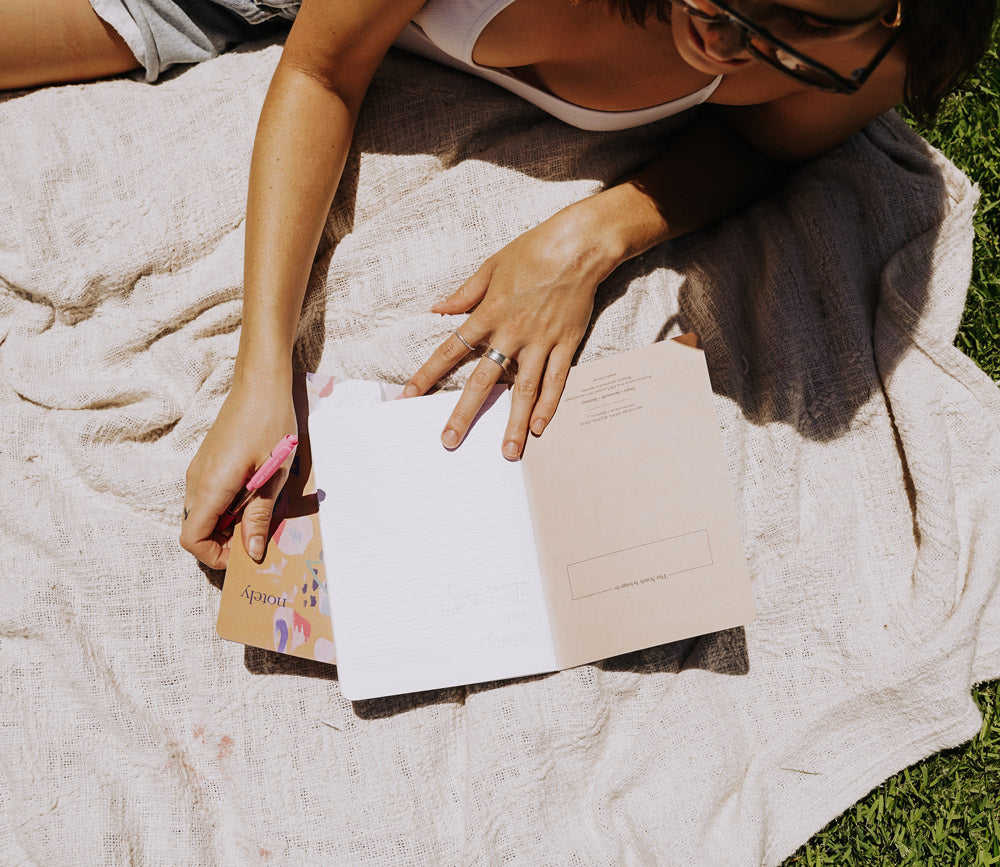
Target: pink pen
279 454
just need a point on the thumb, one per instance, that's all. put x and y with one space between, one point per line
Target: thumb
256 522
468 295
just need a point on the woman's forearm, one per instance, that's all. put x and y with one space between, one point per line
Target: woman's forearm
705 172
299 153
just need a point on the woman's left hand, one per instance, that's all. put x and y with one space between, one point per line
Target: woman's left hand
535 298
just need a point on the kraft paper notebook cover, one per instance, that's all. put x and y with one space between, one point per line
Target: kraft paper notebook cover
615 532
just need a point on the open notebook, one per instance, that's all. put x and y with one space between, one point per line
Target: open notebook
615 532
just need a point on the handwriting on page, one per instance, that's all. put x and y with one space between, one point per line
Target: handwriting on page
434 551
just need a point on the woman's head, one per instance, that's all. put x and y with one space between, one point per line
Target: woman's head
943 40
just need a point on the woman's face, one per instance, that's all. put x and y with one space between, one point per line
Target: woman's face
810 26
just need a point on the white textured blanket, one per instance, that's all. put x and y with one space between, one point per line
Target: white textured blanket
865 452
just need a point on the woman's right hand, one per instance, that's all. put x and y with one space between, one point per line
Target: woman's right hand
252 420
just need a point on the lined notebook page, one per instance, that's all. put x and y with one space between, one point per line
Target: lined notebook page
430 557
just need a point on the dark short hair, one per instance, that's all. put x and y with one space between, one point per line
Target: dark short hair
944 41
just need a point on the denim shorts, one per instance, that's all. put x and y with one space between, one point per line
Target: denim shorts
163 33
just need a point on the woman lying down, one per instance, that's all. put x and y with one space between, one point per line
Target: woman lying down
785 82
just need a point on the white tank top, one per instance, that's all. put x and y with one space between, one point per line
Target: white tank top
446 31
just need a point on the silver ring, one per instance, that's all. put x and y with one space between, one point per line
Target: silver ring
465 342
496 356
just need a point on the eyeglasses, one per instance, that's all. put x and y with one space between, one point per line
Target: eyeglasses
766 46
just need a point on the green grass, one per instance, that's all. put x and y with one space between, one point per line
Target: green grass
945 810
966 131
942 811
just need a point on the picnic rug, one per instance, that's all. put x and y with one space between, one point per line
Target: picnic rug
864 451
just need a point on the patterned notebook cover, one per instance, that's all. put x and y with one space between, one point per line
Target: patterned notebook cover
281 603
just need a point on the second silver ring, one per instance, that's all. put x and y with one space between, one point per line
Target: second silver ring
496 356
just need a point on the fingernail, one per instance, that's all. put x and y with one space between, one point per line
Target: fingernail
256 547
411 391
537 426
449 438
510 449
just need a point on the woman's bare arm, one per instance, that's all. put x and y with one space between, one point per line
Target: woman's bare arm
534 298
736 153
303 138
302 142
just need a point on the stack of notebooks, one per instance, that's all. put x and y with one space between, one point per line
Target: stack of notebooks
412 567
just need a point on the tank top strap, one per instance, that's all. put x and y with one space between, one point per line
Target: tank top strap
447 31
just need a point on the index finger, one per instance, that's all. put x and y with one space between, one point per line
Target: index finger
443 359
212 550
198 534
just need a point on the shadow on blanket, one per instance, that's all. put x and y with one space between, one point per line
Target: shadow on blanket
723 652
811 299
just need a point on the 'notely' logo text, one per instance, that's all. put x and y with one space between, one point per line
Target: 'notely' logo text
256 596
